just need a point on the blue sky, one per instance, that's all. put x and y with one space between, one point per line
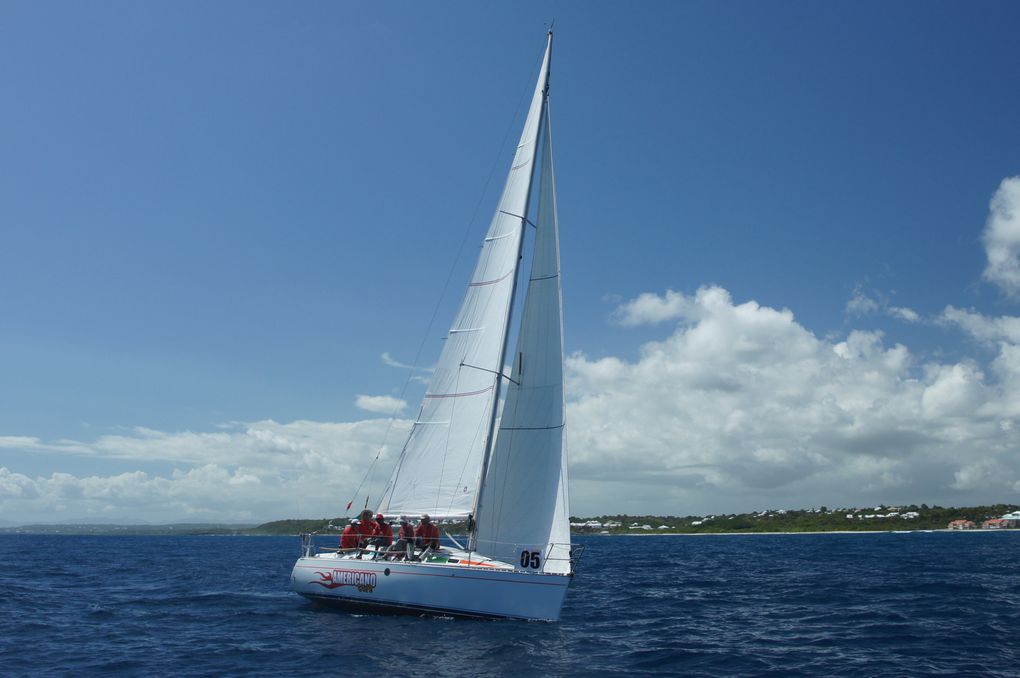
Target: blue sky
216 218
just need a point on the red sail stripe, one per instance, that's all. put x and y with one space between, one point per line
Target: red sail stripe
490 282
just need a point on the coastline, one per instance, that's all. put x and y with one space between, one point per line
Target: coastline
755 534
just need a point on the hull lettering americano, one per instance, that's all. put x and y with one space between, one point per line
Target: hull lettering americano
334 579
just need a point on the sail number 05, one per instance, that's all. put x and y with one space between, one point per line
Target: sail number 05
531 559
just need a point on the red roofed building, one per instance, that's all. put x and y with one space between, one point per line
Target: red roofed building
994 524
961 525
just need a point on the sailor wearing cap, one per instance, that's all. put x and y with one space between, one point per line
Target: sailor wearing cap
383 532
404 548
351 536
426 535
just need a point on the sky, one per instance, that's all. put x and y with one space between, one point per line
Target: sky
233 234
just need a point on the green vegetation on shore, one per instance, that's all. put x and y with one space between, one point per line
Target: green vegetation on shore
823 519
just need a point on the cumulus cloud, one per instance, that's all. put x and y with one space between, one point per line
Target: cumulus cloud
651 309
742 404
737 406
381 404
862 304
982 328
250 472
1001 238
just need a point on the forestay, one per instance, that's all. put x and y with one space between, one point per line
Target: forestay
439 469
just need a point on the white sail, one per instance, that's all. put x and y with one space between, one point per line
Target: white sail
439 470
523 515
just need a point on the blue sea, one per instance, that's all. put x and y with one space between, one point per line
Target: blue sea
913 604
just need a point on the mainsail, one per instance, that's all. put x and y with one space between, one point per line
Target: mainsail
440 467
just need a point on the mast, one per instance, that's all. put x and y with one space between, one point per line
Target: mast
491 437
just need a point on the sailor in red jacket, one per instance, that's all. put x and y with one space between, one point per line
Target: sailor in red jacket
426 534
404 548
383 532
366 529
406 533
351 536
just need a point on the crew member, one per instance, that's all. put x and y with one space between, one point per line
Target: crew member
366 529
404 548
383 532
351 536
426 535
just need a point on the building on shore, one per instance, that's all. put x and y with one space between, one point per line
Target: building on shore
994 524
961 525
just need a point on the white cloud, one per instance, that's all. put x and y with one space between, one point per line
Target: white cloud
381 404
741 405
253 472
737 407
391 362
905 314
981 327
19 442
1002 238
862 304
651 309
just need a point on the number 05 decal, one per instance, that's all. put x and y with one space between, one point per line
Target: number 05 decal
531 559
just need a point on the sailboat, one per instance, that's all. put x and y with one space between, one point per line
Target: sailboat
486 448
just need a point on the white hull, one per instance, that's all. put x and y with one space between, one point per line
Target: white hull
396 586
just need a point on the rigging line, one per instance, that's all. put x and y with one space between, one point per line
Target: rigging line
499 374
449 276
518 216
531 428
